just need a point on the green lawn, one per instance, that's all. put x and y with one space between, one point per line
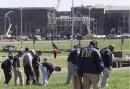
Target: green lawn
119 78
46 45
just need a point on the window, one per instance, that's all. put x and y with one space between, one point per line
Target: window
126 18
121 24
126 24
117 18
106 18
121 18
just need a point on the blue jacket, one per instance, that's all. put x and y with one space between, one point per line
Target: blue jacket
106 55
90 61
73 57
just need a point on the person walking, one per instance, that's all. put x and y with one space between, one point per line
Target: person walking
106 54
72 69
10 50
7 69
28 68
36 63
71 65
55 52
17 71
92 65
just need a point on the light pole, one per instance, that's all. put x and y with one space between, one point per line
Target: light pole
72 31
21 14
16 30
89 16
6 15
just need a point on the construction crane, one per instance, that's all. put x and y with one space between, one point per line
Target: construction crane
58 4
7 35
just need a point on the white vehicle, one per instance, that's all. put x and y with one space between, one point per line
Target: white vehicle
37 37
126 35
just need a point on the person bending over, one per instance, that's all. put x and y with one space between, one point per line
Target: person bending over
47 69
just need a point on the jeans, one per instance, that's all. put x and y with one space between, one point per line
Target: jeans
44 75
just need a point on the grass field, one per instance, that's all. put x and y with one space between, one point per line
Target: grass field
46 45
119 78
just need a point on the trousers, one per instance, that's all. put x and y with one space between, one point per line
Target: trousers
89 79
44 75
105 77
77 81
18 75
8 76
30 74
71 71
36 70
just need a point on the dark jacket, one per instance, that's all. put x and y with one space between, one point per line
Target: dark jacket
16 61
36 61
73 57
50 66
106 55
90 61
7 65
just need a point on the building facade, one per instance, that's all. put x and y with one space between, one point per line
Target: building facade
117 21
32 20
43 21
97 14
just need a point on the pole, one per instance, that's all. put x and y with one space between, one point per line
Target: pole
72 32
34 42
21 12
89 15
5 24
89 22
16 30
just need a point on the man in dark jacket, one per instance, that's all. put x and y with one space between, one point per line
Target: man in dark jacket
16 68
71 64
36 63
106 54
7 67
92 65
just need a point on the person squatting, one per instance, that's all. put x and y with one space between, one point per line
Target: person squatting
31 65
89 65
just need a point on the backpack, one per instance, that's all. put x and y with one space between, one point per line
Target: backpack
4 64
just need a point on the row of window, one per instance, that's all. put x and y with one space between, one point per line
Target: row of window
123 18
118 24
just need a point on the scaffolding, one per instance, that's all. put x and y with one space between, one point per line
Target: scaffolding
66 22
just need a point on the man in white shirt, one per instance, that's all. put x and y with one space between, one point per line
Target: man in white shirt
28 69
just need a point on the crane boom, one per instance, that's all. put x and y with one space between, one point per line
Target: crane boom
8 30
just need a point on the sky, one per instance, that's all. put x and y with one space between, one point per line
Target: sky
65 5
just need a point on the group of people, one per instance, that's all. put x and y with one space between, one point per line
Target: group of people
86 65
89 66
31 65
